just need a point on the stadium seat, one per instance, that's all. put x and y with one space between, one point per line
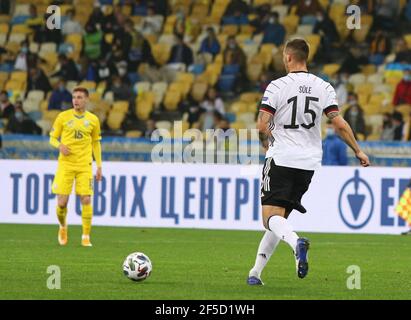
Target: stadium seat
4 28
115 119
17 38
21 9
356 78
247 117
161 52
250 97
36 95
171 100
238 125
198 91
134 134
239 107
120 106
164 125
331 69
50 115
14 85
48 47
375 78
20 28
19 76
290 23
89 85
45 125
109 96
142 86
254 71
30 105
143 109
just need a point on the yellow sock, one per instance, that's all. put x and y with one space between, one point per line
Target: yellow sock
86 216
61 215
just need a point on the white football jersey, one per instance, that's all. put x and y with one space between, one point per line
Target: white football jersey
297 102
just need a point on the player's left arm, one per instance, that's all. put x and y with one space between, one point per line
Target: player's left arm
264 121
97 153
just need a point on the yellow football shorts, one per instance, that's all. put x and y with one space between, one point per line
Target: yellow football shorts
65 177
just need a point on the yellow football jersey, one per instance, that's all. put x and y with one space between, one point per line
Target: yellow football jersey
77 132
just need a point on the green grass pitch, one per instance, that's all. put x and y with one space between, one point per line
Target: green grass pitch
197 264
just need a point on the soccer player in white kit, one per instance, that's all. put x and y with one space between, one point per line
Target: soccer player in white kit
290 118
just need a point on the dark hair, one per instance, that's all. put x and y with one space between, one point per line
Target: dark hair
299 49
81 89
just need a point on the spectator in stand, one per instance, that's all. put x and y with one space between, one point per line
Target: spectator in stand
353 61
6 107
334 149
137 47
34 21
341 88
22 59
121 90
45 34
308 10
192 110
96 19
236 8
274 31
210 43
403 91
181 53
262 15
354 115
385 14
387 132
92 42
68 69
380 47
161 7
60 97
4 7
151 127
402 52
105 69
398 123
114 22
234 55
325 27
152 23
70 25
20 122
37 80
211 104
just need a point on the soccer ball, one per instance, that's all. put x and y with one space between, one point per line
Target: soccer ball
137 266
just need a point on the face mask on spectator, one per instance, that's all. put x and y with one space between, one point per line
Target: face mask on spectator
231 46
24 50
271 20
61 87
407 77
19 116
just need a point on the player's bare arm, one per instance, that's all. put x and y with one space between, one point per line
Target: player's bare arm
263 125
97 156
344 130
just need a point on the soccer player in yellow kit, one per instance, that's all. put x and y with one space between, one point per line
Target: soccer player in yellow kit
76 133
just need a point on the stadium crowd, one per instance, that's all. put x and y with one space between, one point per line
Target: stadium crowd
206 62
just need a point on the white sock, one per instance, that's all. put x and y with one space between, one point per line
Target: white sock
266 248
283 229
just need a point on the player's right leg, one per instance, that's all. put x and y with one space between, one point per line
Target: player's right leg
62 185
61 209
